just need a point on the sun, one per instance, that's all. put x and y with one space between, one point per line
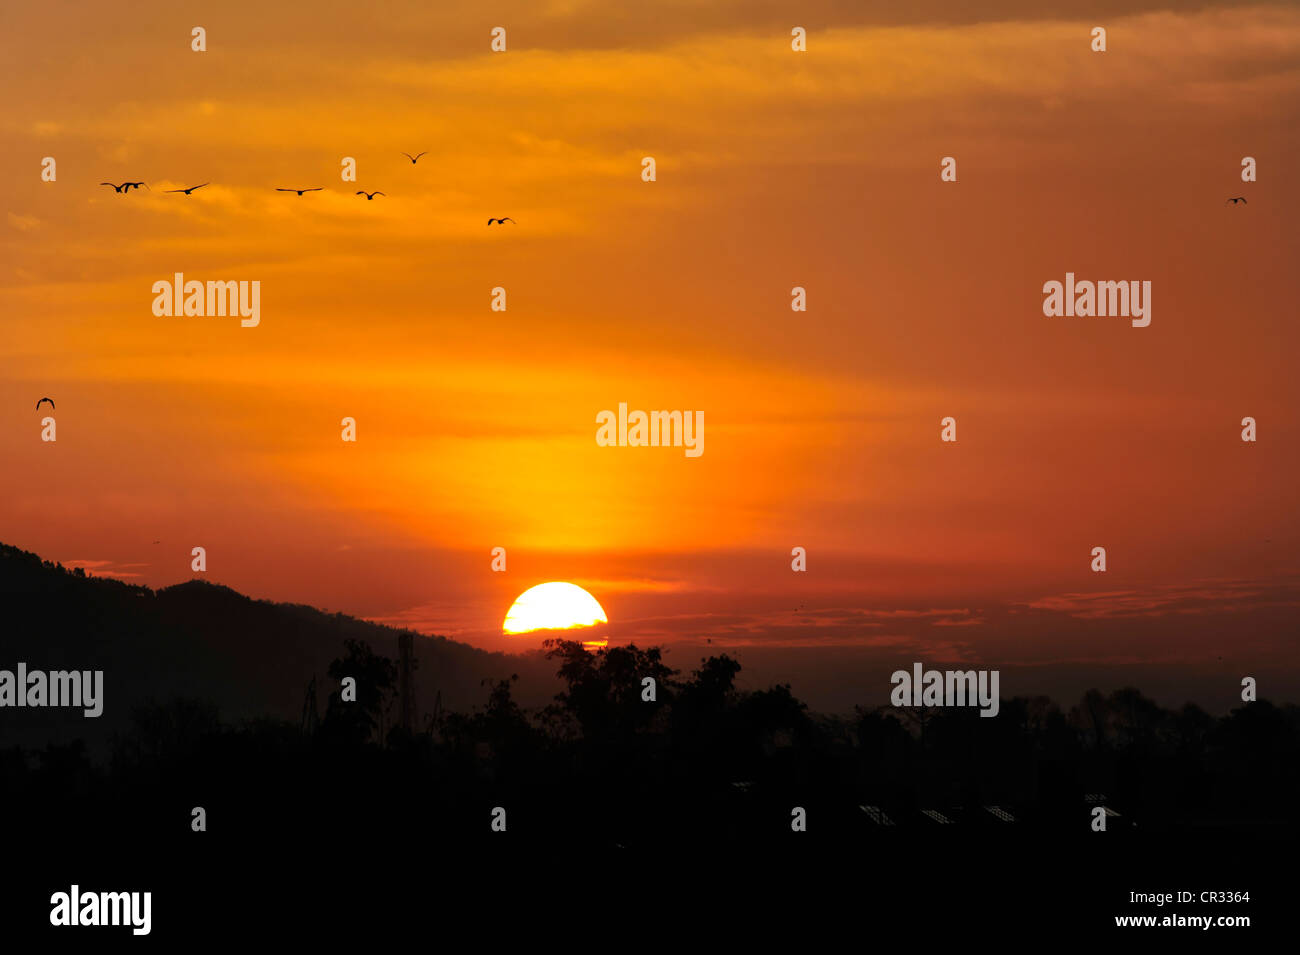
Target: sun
553 606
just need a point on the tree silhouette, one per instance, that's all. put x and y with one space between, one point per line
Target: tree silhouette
376 677
604 688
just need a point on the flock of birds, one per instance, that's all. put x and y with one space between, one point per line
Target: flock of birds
126 187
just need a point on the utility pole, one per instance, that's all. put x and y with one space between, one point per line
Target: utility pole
406 682
310 718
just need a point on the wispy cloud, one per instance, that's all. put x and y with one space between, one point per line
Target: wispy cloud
105 568
1203 597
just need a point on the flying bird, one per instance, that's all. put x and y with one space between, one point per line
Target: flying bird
503 221
42 401
415 157
125 187
370 195
1236 200
189 190
299 191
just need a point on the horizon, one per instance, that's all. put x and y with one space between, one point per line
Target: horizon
843 677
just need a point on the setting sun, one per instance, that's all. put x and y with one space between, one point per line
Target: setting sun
553 606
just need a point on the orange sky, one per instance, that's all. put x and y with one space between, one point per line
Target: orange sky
775 169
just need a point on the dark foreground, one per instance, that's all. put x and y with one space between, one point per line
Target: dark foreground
435 886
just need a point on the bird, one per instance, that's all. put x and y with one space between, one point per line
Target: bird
503 221
189 190
299 191
370 195
1236 199
42 401
125 187
415 157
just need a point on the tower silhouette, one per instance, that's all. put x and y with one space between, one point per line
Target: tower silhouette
310 717
406 682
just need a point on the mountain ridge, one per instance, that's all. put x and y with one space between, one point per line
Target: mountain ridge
199 639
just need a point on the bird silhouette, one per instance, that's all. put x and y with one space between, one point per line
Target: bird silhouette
299 191
42 401
370 195
189 190
503 221
124 187
415 157
1236 199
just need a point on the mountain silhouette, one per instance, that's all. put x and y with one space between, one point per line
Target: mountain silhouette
200 640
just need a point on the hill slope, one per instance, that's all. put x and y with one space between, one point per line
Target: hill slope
206 641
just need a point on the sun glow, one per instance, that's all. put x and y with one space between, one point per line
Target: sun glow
553 606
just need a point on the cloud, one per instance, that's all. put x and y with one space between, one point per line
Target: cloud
1222 596
635 585
105 568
